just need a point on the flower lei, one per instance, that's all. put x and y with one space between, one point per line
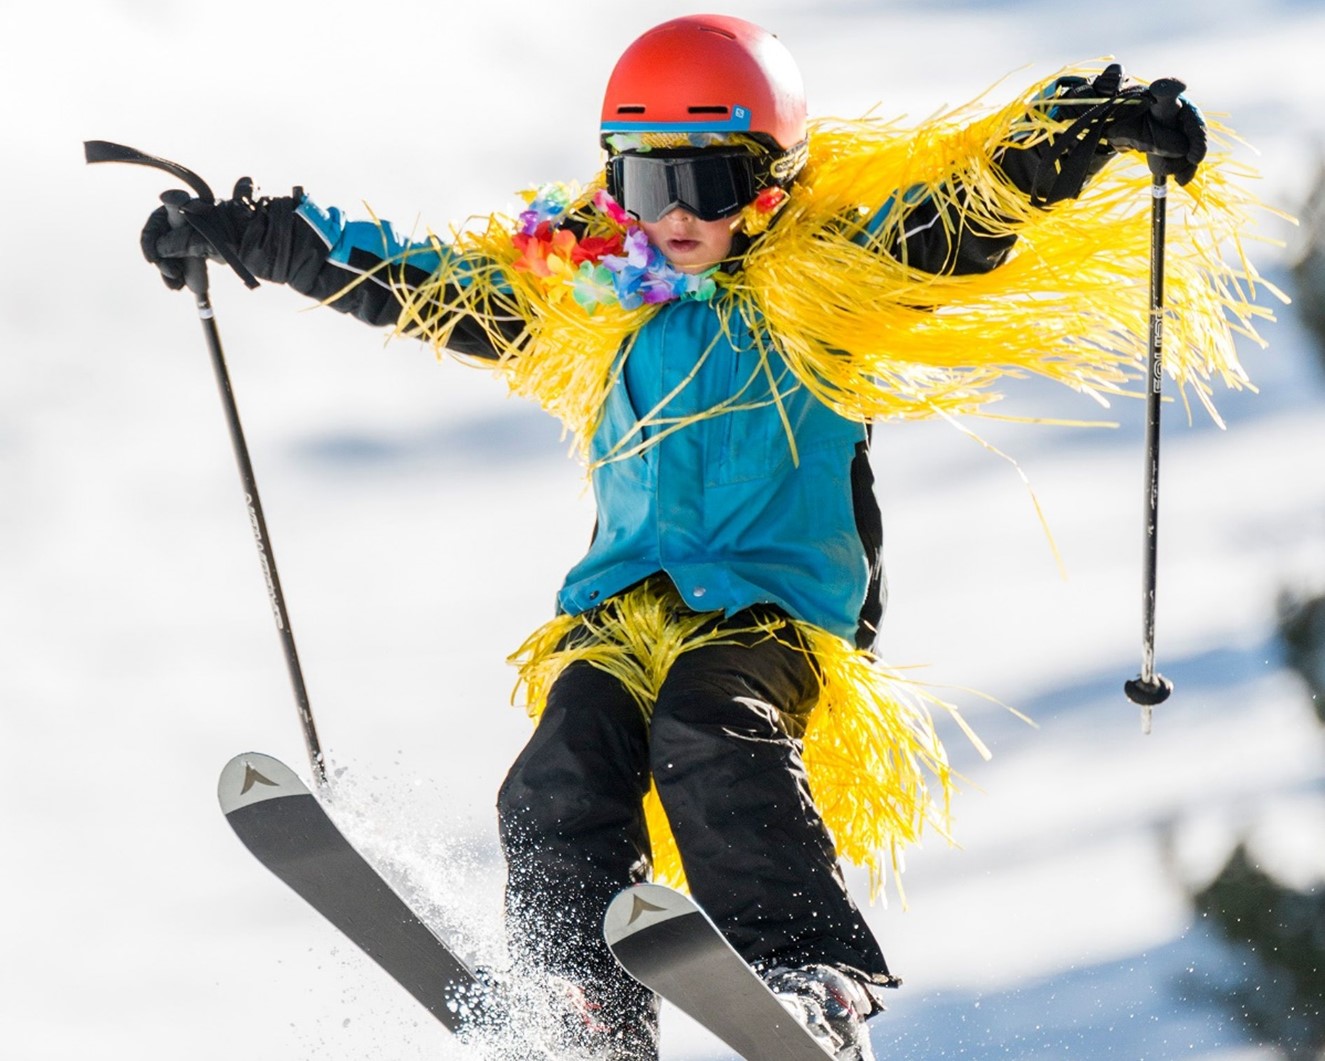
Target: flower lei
620 267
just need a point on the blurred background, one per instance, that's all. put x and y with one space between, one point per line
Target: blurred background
1113 894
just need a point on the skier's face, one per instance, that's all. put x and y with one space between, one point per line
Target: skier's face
689 244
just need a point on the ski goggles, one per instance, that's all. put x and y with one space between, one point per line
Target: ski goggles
709 184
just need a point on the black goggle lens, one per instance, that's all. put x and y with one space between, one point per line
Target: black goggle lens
710 185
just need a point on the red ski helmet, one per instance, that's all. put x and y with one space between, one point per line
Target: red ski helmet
707 74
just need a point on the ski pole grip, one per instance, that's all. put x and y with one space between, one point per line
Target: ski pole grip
1165 93
195 269
1164 108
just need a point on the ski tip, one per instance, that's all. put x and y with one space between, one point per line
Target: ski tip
641 907
252 778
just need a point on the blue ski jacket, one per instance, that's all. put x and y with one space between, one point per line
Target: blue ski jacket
736 509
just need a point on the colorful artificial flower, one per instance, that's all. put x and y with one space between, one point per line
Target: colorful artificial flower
538 248
605 204
620 267
595 248
547 204
594 285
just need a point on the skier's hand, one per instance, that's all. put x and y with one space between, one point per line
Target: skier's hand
1170 131
1174 143
169 245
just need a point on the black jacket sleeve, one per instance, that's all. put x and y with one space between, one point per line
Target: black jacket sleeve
282 247
1047 172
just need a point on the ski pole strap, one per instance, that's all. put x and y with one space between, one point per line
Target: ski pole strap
105 151
202 221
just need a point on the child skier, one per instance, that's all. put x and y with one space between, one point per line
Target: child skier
718 320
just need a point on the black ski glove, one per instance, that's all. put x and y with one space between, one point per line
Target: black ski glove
224 223
1126 116
169 244
1172 135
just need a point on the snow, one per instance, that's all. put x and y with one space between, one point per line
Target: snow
136 649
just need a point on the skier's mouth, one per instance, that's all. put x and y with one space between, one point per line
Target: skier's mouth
682 246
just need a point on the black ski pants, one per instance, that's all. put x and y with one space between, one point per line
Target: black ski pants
723 746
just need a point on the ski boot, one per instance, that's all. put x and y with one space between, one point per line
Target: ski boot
831 1004
602 1031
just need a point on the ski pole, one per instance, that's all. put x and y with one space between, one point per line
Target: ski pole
196 281
1150 688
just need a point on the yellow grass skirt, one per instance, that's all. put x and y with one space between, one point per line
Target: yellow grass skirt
877 769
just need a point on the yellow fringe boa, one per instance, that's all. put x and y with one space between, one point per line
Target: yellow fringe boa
874 338
871 751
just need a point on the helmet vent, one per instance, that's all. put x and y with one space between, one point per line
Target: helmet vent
707 110
630 108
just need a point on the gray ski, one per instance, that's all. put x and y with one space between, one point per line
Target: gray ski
281 822
670 946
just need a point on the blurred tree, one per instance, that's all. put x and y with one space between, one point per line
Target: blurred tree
1302 630
1309 268
1279 929
1281 1000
